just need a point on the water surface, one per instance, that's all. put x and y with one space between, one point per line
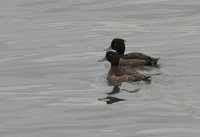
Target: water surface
52 85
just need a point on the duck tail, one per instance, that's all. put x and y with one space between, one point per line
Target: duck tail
146 78
155 61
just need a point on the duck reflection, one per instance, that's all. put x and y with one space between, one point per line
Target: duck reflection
111 100
116 89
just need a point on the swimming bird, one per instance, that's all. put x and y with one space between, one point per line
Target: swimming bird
139 59
116 74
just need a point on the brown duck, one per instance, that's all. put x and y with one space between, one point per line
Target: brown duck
117 75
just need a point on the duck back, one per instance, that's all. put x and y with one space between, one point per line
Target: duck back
135 55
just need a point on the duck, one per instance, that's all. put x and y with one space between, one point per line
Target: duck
131 59
116 74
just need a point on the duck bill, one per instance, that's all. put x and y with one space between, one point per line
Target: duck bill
108 48
103 59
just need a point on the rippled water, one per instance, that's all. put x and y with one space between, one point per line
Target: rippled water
52 85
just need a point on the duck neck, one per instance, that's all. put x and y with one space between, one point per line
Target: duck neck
120 50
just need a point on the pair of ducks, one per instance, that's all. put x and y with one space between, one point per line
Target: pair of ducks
118 60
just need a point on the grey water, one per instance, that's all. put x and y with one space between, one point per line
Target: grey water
52 85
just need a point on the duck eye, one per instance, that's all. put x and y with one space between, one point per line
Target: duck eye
115 44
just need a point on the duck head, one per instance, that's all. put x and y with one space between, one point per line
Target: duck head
112 57
118 45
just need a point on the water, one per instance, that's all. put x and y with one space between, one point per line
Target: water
52 85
